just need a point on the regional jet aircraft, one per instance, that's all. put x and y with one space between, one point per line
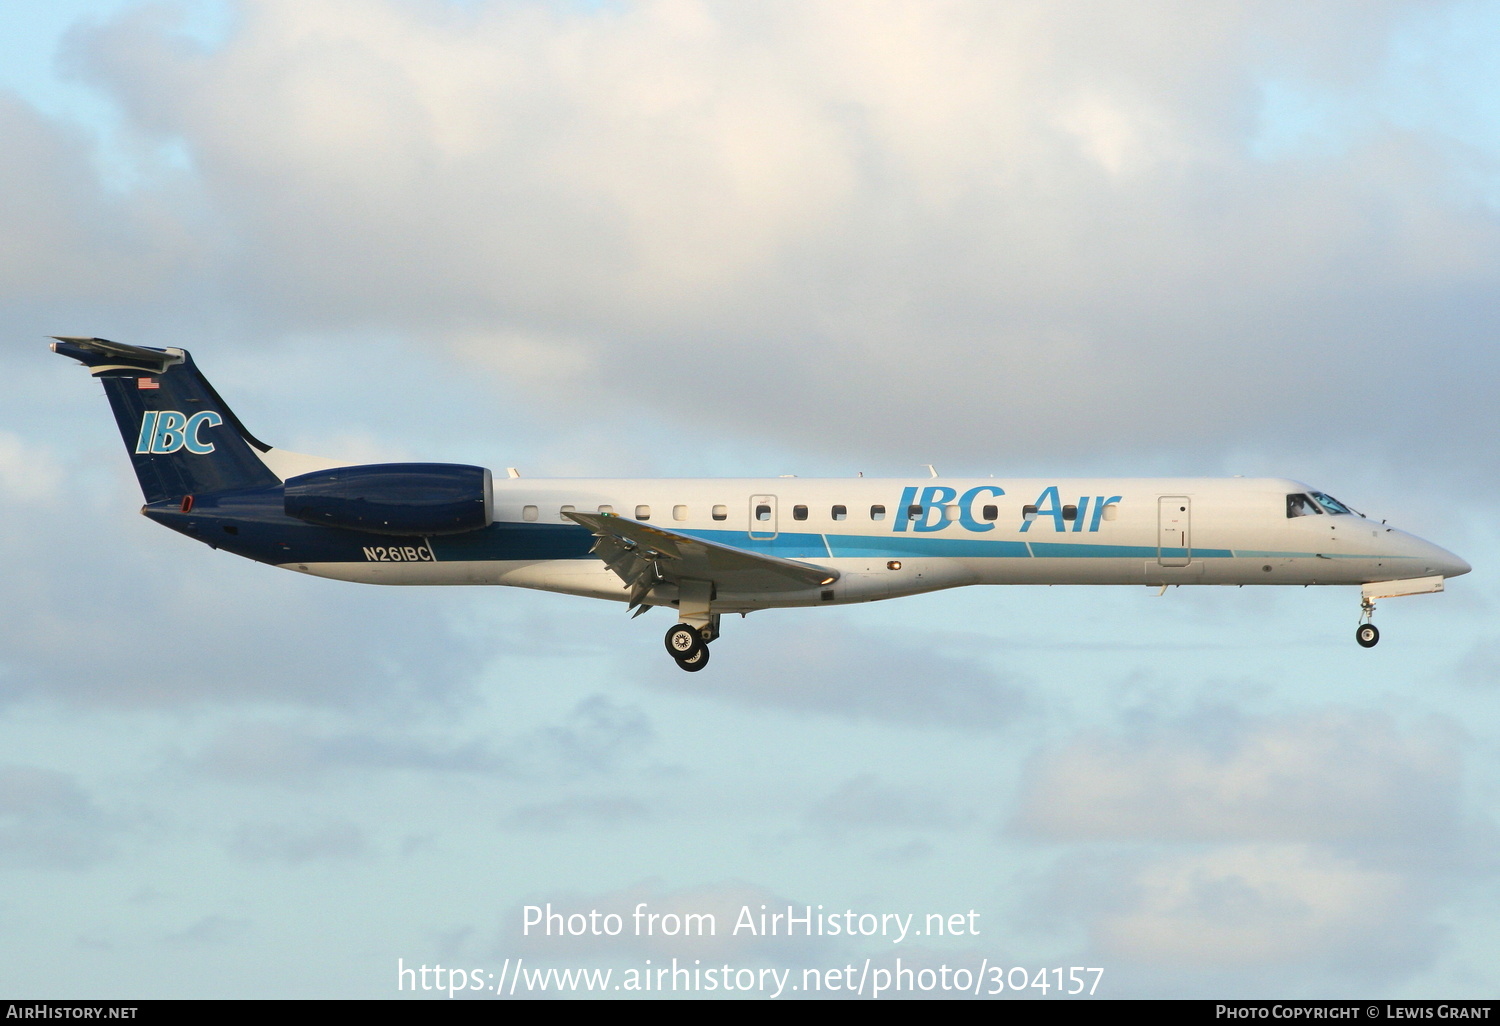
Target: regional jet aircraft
703 548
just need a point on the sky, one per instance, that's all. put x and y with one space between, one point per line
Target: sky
689 238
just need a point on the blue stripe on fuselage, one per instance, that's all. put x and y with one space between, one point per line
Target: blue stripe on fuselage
914 547
1082 550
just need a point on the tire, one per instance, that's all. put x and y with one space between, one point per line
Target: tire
683 641
695 662
1366 635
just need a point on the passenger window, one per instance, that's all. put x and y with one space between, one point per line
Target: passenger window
1029 512
840 513
799 512
992 512
606 509
643 512
679 512
529 512
762 513
1112 511
565 509
914 512
1070 512
721 512
877 512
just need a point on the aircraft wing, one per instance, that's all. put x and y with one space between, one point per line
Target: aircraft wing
644 556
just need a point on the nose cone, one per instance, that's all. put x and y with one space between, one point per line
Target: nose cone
1453 566
1418 557
1441 561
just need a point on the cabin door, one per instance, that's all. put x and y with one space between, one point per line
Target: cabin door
1174 536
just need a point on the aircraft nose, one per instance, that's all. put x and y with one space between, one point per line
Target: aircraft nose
1446 563
1454 566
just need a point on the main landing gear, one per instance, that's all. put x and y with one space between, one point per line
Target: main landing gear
1366 633
689 645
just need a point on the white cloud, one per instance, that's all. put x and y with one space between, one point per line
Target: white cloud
1004 221
824 664
597 736
1222 849
88 616
1333 775
1244 905
27 473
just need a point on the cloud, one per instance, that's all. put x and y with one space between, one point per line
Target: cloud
48 822
1480 666
1306 851
597 736
824 665
210 931
1008 222
1016 234
295 845
63 238
26 473
1243 906
865 802
580 812
1334 775
88 615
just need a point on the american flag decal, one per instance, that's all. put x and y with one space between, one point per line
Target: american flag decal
147 383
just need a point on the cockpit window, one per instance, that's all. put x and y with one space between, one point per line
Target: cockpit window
1301 506
1332 505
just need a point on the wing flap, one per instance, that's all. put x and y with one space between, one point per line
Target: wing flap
644 556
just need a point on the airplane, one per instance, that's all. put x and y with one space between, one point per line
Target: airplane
704 548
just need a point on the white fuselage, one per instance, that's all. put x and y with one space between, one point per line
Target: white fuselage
893 537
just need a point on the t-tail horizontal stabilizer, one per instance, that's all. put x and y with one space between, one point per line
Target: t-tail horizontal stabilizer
102 356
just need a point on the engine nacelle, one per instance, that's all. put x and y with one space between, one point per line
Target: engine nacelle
395 498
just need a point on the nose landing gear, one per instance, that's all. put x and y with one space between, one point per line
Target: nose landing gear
1366 633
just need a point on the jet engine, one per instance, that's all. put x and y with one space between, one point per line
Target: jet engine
395 498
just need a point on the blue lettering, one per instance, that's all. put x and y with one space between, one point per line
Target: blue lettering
195 424
908 499
1099 509
966 507
935 499
167 431
1083 507
1048 504
148 430
168 436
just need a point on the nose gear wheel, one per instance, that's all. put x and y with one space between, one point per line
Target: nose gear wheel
1367 634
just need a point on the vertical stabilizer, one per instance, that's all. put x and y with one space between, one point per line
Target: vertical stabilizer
182 438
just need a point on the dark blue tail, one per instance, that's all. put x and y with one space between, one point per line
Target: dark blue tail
182 438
